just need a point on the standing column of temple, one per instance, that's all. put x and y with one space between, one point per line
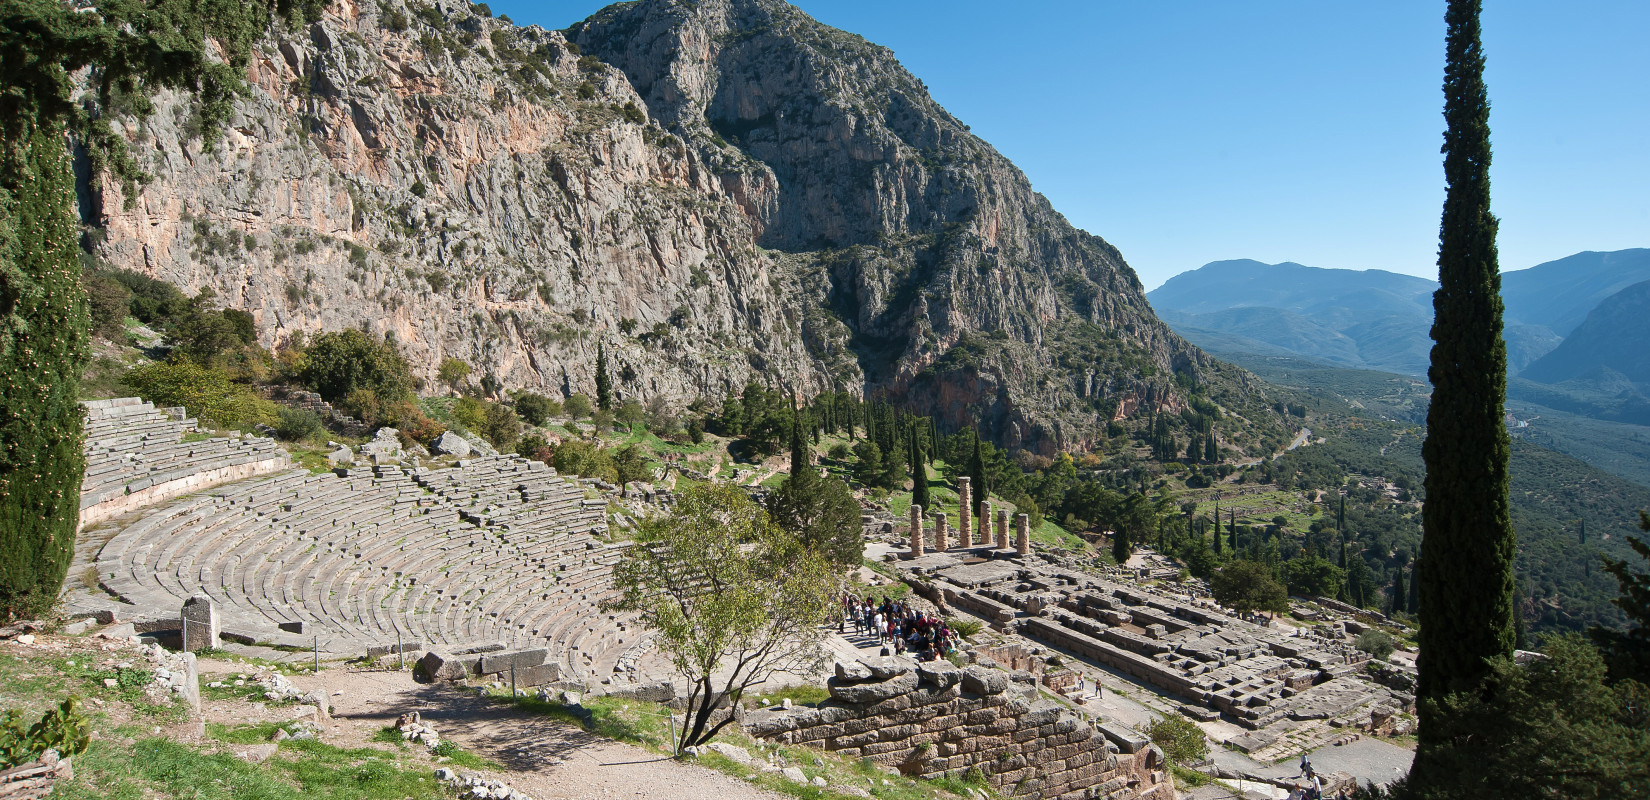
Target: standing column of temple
965 513
940 522
1022 538
916 529
985 522
1002 529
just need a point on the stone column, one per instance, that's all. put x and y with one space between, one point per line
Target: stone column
965 514
1022 534
940 523
200 623
916 530
985 523
1002 529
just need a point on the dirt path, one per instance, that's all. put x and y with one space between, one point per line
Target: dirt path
546 759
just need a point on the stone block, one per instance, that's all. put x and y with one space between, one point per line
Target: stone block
1127 740
984 681
378 651
200 623
876 692
500 663
884 667
439 666
852 671
939 673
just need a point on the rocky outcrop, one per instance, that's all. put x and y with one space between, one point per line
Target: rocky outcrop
720 192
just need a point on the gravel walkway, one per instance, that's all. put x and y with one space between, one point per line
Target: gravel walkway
546 759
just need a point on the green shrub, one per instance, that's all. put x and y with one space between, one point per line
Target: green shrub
62 729
207 392
1181 740
340 362
110 304
536 408
577 407
1376 643
964 626
296 424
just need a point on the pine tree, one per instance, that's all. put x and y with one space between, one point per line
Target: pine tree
604 389
1466 580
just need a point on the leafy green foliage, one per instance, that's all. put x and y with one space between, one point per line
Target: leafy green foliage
62 729
1249 586
604 386
536 409
1180 739
822 513
1376 643
577 407
43 347
729 594
296 424
1628 652
109 302
453 372
207 392
1550 728
339 363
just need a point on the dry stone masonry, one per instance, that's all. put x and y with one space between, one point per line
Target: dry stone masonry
1258 677
935 719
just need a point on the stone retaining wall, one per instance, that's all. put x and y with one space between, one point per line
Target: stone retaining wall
935 719
179 487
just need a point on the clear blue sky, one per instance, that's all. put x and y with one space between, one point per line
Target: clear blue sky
1299 131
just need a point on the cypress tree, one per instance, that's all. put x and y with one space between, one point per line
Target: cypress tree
130 47
1211 451
976 475
1217 539
920 494
801 465
604 389
43 349
1399 594
1466 580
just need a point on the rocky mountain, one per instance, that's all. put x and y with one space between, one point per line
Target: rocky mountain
719 191
1373 319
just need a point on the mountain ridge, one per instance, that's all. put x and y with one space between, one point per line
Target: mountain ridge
718 193
1377 319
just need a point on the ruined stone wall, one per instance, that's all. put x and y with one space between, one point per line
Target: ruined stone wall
160 492
934 719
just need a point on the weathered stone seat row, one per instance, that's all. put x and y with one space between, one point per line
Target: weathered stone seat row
136 456
369 553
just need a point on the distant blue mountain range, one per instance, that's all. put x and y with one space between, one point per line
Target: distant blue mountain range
1373 319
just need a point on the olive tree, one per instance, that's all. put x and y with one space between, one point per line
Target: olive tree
732 597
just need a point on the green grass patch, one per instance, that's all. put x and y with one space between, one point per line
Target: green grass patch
157 767
802 695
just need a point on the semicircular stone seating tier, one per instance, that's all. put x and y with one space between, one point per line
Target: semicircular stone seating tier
137 455
493 550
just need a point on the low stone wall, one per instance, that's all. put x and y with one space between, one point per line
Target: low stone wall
179 487
934 719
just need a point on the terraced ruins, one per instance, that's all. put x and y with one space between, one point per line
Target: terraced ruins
495 550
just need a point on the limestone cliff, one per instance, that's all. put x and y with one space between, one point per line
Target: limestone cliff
720 191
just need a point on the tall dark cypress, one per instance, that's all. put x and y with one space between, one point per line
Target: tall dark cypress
43 348
1399 593
976 475
920 495
604 389
801 464
1466 579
